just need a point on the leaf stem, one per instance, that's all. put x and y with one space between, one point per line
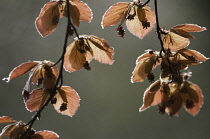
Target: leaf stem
60 76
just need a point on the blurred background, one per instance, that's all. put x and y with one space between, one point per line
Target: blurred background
109 101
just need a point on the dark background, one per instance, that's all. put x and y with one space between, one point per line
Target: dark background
109 101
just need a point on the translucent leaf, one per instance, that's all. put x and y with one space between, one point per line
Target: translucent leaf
144 64
20 70
182 33
174 42
84 10
102 52
36 100
68 96
114 14
136 27
6 119
174 101
152 96
45 135
73 59
192 53
198 97
74 13
189 28
48 19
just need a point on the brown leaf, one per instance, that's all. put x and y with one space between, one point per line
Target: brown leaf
174 42
67 95
48 19
144 65
197 104
152 96
45 135
6 119
102 52
182 33
114 14
74 59
137 27
20 70
74 13
84 10
192 53
189 28
36 100
174 101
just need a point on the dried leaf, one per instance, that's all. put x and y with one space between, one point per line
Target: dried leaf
6 119
84 10
102 52
114 14
20 70
137 27
182 33
187 53
45 135
152 96
67 95
48 19
174 42
189 28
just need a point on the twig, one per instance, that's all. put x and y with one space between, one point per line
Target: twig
158 28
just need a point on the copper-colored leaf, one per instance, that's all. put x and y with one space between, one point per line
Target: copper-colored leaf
152 96
190 28
67 95
48 19
114 14
6 119
136 27
84 10
174 42
36 100
144 65
197 105
74 13
20 70
192 53
73 59
174 101
182 33
102 52
45 135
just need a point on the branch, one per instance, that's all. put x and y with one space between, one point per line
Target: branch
158 28
60 76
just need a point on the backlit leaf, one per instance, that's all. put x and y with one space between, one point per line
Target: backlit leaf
6 119
152 96
114 14
174 42
36 100
74 13
190 28
73 59
48 19
84 10
192 53
102 52
45 135
20 70
67 95
136 27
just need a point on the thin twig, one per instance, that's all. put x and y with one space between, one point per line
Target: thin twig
146 3
158 28
60 76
